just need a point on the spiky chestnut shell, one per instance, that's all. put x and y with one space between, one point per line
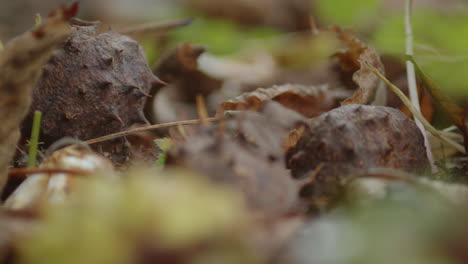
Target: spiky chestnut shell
352 138
95 84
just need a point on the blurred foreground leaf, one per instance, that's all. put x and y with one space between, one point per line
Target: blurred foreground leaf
170 218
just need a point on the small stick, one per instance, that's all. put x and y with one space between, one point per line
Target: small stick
34 141
148 128
155 28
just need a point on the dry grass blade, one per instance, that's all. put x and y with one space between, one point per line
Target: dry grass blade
148 128
454 111
416 113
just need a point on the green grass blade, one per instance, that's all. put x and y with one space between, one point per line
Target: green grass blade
34 141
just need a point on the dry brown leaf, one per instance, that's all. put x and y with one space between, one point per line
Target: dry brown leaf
267 186
248 154
309 101
267 133
20 67
353 60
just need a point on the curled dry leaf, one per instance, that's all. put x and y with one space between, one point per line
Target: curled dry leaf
309 101
20 67
351 139
56 187
352 60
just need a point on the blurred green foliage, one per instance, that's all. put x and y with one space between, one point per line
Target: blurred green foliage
441 47
221 36
410 225
165 213
440 39
347 13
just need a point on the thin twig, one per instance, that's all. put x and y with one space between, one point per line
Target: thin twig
148 128
412 86
416 113
155 28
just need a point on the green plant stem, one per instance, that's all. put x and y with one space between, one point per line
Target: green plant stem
34 141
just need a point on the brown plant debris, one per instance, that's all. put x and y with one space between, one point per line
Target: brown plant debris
179 68
268 132
351 60
246 153
309 101
21 64
350 139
